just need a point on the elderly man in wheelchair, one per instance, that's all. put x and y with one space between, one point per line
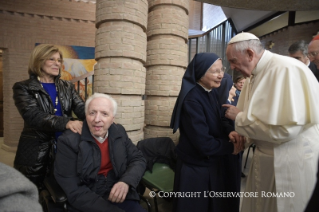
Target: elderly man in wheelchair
100 169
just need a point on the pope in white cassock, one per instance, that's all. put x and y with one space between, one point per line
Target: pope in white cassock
278 110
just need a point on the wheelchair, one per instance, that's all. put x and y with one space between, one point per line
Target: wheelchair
52 197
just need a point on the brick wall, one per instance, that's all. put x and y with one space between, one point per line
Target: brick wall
121 53
26 22
167 35
285 37
1 95
195 15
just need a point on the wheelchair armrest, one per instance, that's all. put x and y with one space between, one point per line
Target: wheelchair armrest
54 189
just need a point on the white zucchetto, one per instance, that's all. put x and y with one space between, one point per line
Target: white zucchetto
243 37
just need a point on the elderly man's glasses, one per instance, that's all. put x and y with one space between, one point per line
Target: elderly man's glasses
52 60
312 54
217 72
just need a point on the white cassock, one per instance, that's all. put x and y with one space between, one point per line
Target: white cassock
280 114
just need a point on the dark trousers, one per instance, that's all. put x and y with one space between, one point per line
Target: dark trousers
103 188
130 206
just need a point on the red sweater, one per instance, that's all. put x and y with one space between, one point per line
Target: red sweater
106 164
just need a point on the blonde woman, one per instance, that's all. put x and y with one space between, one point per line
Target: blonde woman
45 103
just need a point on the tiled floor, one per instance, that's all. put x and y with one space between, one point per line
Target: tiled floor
163 204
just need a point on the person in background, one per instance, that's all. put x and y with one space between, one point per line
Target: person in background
313 203
299 50
45 103
313 55
17 193
231 96
278 111
233 162
313 51
238 83
204 144
100 169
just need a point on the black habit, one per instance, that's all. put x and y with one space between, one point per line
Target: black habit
205 165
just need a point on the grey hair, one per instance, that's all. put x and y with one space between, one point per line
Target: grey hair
255 45
101 95
299 46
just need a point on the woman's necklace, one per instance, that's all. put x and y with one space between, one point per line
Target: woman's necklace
56 97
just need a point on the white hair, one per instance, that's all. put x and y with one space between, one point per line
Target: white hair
101 95
255 45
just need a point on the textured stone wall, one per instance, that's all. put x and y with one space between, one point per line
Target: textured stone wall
24 23
121 54
167 35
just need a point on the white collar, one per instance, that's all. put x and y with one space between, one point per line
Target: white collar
261 63
208 90
101 139
308 63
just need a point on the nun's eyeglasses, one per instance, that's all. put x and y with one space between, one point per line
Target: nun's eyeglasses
217 72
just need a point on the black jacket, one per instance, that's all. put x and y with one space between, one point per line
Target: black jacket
40 123
158 150
78 161
314 70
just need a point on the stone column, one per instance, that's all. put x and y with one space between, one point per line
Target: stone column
121 54
167 35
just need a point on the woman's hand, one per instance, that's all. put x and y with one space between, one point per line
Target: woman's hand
238 141
75 126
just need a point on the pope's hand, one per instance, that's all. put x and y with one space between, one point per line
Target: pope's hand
231 111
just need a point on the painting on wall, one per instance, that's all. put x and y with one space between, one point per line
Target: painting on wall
78 64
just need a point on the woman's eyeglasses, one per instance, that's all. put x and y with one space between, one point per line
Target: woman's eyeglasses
52 60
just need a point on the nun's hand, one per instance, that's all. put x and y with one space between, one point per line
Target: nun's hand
231 111
238 141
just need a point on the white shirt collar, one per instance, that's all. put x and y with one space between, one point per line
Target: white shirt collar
262 61
308 63
101 139
208 90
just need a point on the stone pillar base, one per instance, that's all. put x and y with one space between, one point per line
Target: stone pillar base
136 136
9 148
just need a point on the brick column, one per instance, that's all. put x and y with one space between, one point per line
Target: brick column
167 35
121 53
13 123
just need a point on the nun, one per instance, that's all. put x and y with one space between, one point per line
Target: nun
206 139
